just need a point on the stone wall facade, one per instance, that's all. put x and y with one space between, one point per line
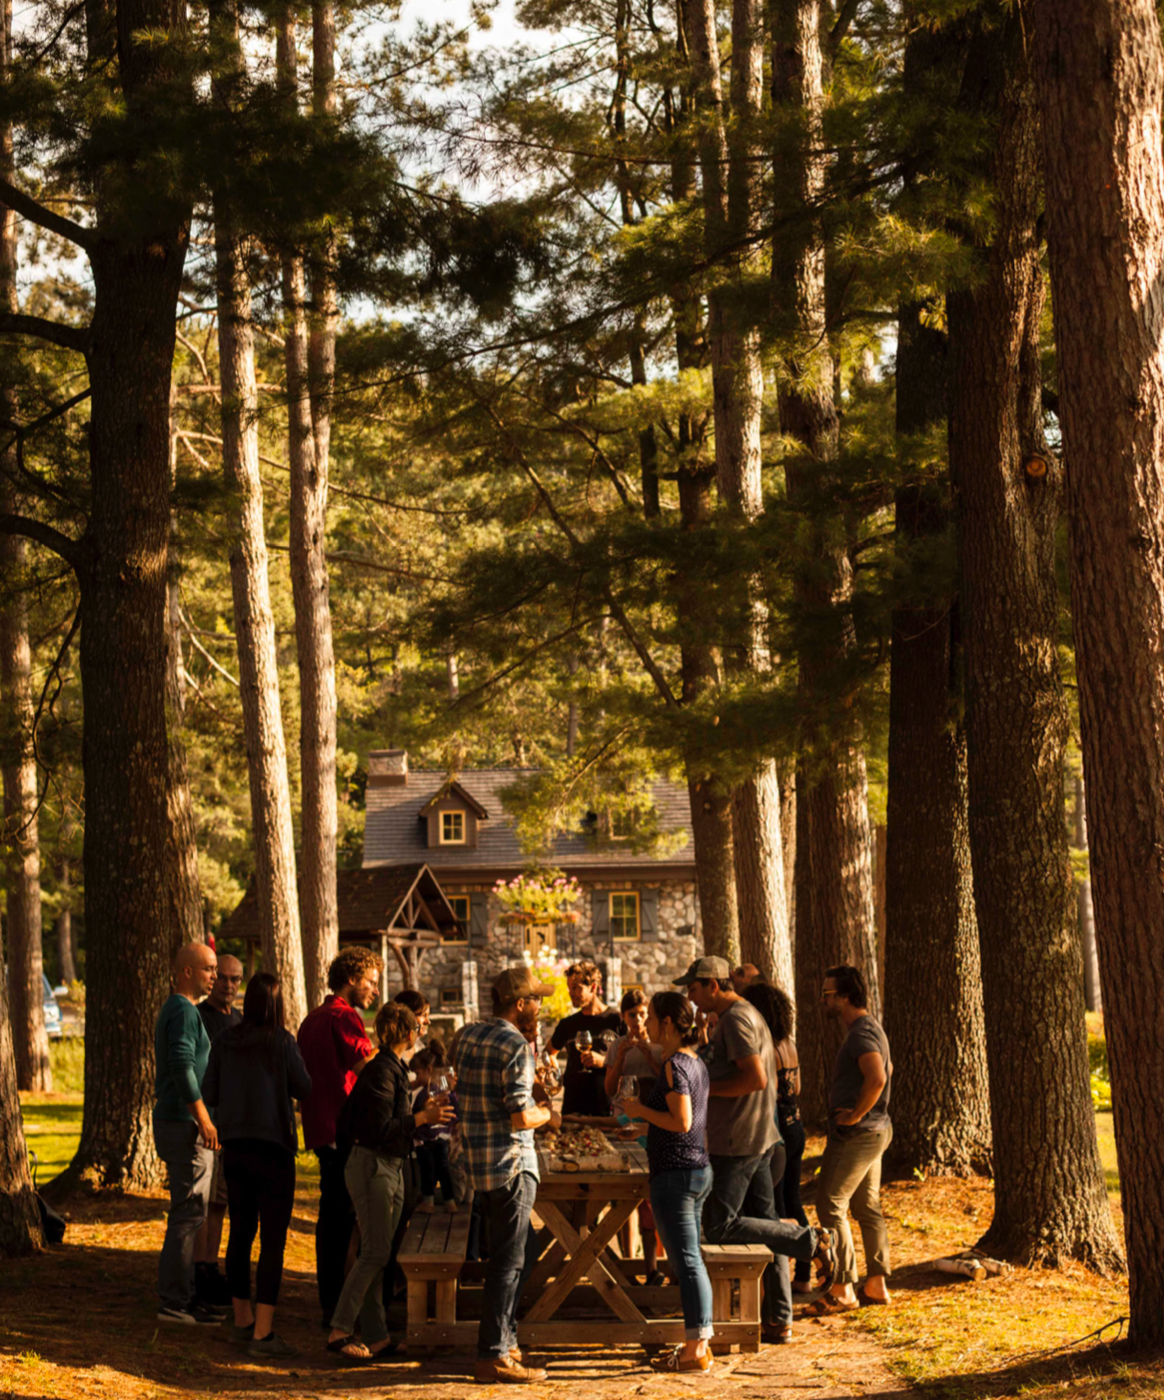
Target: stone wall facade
651 964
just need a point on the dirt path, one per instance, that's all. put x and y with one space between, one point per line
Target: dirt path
79 1321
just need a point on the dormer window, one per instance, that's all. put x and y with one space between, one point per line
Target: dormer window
452 828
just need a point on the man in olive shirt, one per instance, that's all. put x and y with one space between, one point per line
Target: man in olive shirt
741 1136
859 1132
186 1138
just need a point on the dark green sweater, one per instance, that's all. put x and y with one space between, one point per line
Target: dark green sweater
181 1049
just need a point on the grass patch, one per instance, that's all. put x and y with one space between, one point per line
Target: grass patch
67 1057
52 1129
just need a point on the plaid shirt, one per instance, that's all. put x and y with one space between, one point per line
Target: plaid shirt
495 1077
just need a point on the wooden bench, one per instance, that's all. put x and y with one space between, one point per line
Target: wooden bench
432 1255
742 1265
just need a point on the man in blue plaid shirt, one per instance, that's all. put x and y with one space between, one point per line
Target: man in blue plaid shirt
495 1099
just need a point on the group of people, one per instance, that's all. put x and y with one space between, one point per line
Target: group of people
717 1083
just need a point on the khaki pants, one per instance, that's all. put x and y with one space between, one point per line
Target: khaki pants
850 1175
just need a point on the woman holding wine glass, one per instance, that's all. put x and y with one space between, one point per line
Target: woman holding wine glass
675 1112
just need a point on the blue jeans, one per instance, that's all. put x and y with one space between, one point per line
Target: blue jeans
677 1199
742 1210
512 1252
190 1166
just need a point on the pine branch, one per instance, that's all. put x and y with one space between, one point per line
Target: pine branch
69 550
68 337
844 20
36 213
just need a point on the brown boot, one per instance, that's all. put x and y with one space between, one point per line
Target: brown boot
497 1370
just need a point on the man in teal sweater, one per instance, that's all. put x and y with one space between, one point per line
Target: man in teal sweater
186 1138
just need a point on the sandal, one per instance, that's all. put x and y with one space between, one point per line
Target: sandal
828 1306
657 1279
351 1358
866 1300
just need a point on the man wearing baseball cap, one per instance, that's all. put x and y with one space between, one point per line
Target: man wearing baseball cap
495 1096
741 1135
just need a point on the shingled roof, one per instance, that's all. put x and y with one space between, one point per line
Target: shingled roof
368 900
394 831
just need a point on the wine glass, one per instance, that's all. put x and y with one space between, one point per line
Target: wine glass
438 1084
628 1088
608 1038
583 1041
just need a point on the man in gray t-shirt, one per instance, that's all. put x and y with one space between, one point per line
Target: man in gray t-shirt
859 1133
741 1136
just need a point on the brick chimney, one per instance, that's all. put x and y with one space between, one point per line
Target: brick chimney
388 768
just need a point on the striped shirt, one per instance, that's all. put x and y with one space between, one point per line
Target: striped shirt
495 1077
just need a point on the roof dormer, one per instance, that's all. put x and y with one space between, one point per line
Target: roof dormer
452 818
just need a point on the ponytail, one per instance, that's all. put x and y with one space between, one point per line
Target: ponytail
674 1007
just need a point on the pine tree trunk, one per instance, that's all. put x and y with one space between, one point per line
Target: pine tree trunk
1092 993
20 833
1050 1200
1101 77
731 212
254 625
19 1217
310 369
834 866
65 953
183 886
933 985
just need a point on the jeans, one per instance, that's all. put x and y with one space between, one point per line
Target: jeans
432 1161
333 1228
260 1186
677 1199
788 1203
742 1210
851 1172
190 1166
512 1252
377 1189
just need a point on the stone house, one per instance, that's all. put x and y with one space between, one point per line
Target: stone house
638 917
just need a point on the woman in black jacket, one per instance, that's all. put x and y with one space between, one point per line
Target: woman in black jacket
377 1120
254 1072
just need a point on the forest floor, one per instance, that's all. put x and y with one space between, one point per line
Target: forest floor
77 1323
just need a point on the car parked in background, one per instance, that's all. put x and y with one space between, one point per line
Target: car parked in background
52 1012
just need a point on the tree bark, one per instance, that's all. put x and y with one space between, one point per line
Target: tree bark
21 836
933 978
310 370
1101 78
254 622
183 886
1050 1200
20 1231
1092 993
834 868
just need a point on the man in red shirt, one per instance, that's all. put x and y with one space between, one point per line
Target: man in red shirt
335 1048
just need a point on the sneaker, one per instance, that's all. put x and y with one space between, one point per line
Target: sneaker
195 1315
210 1287
498 1370
234 1334
272 1347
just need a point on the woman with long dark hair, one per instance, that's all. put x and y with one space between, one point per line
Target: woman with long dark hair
676 1117
255 1071
775 1005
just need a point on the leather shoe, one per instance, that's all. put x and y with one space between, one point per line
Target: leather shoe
499 1370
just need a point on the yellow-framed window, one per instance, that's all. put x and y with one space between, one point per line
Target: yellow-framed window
624 916
452 828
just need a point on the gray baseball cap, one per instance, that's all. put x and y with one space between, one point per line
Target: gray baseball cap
704 969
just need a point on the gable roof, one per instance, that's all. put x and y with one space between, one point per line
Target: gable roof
451 789
393 833
368 901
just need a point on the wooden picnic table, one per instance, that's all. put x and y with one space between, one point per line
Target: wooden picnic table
582 1290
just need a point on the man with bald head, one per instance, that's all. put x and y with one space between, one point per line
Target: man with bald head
186 1138
743 977
218 1012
